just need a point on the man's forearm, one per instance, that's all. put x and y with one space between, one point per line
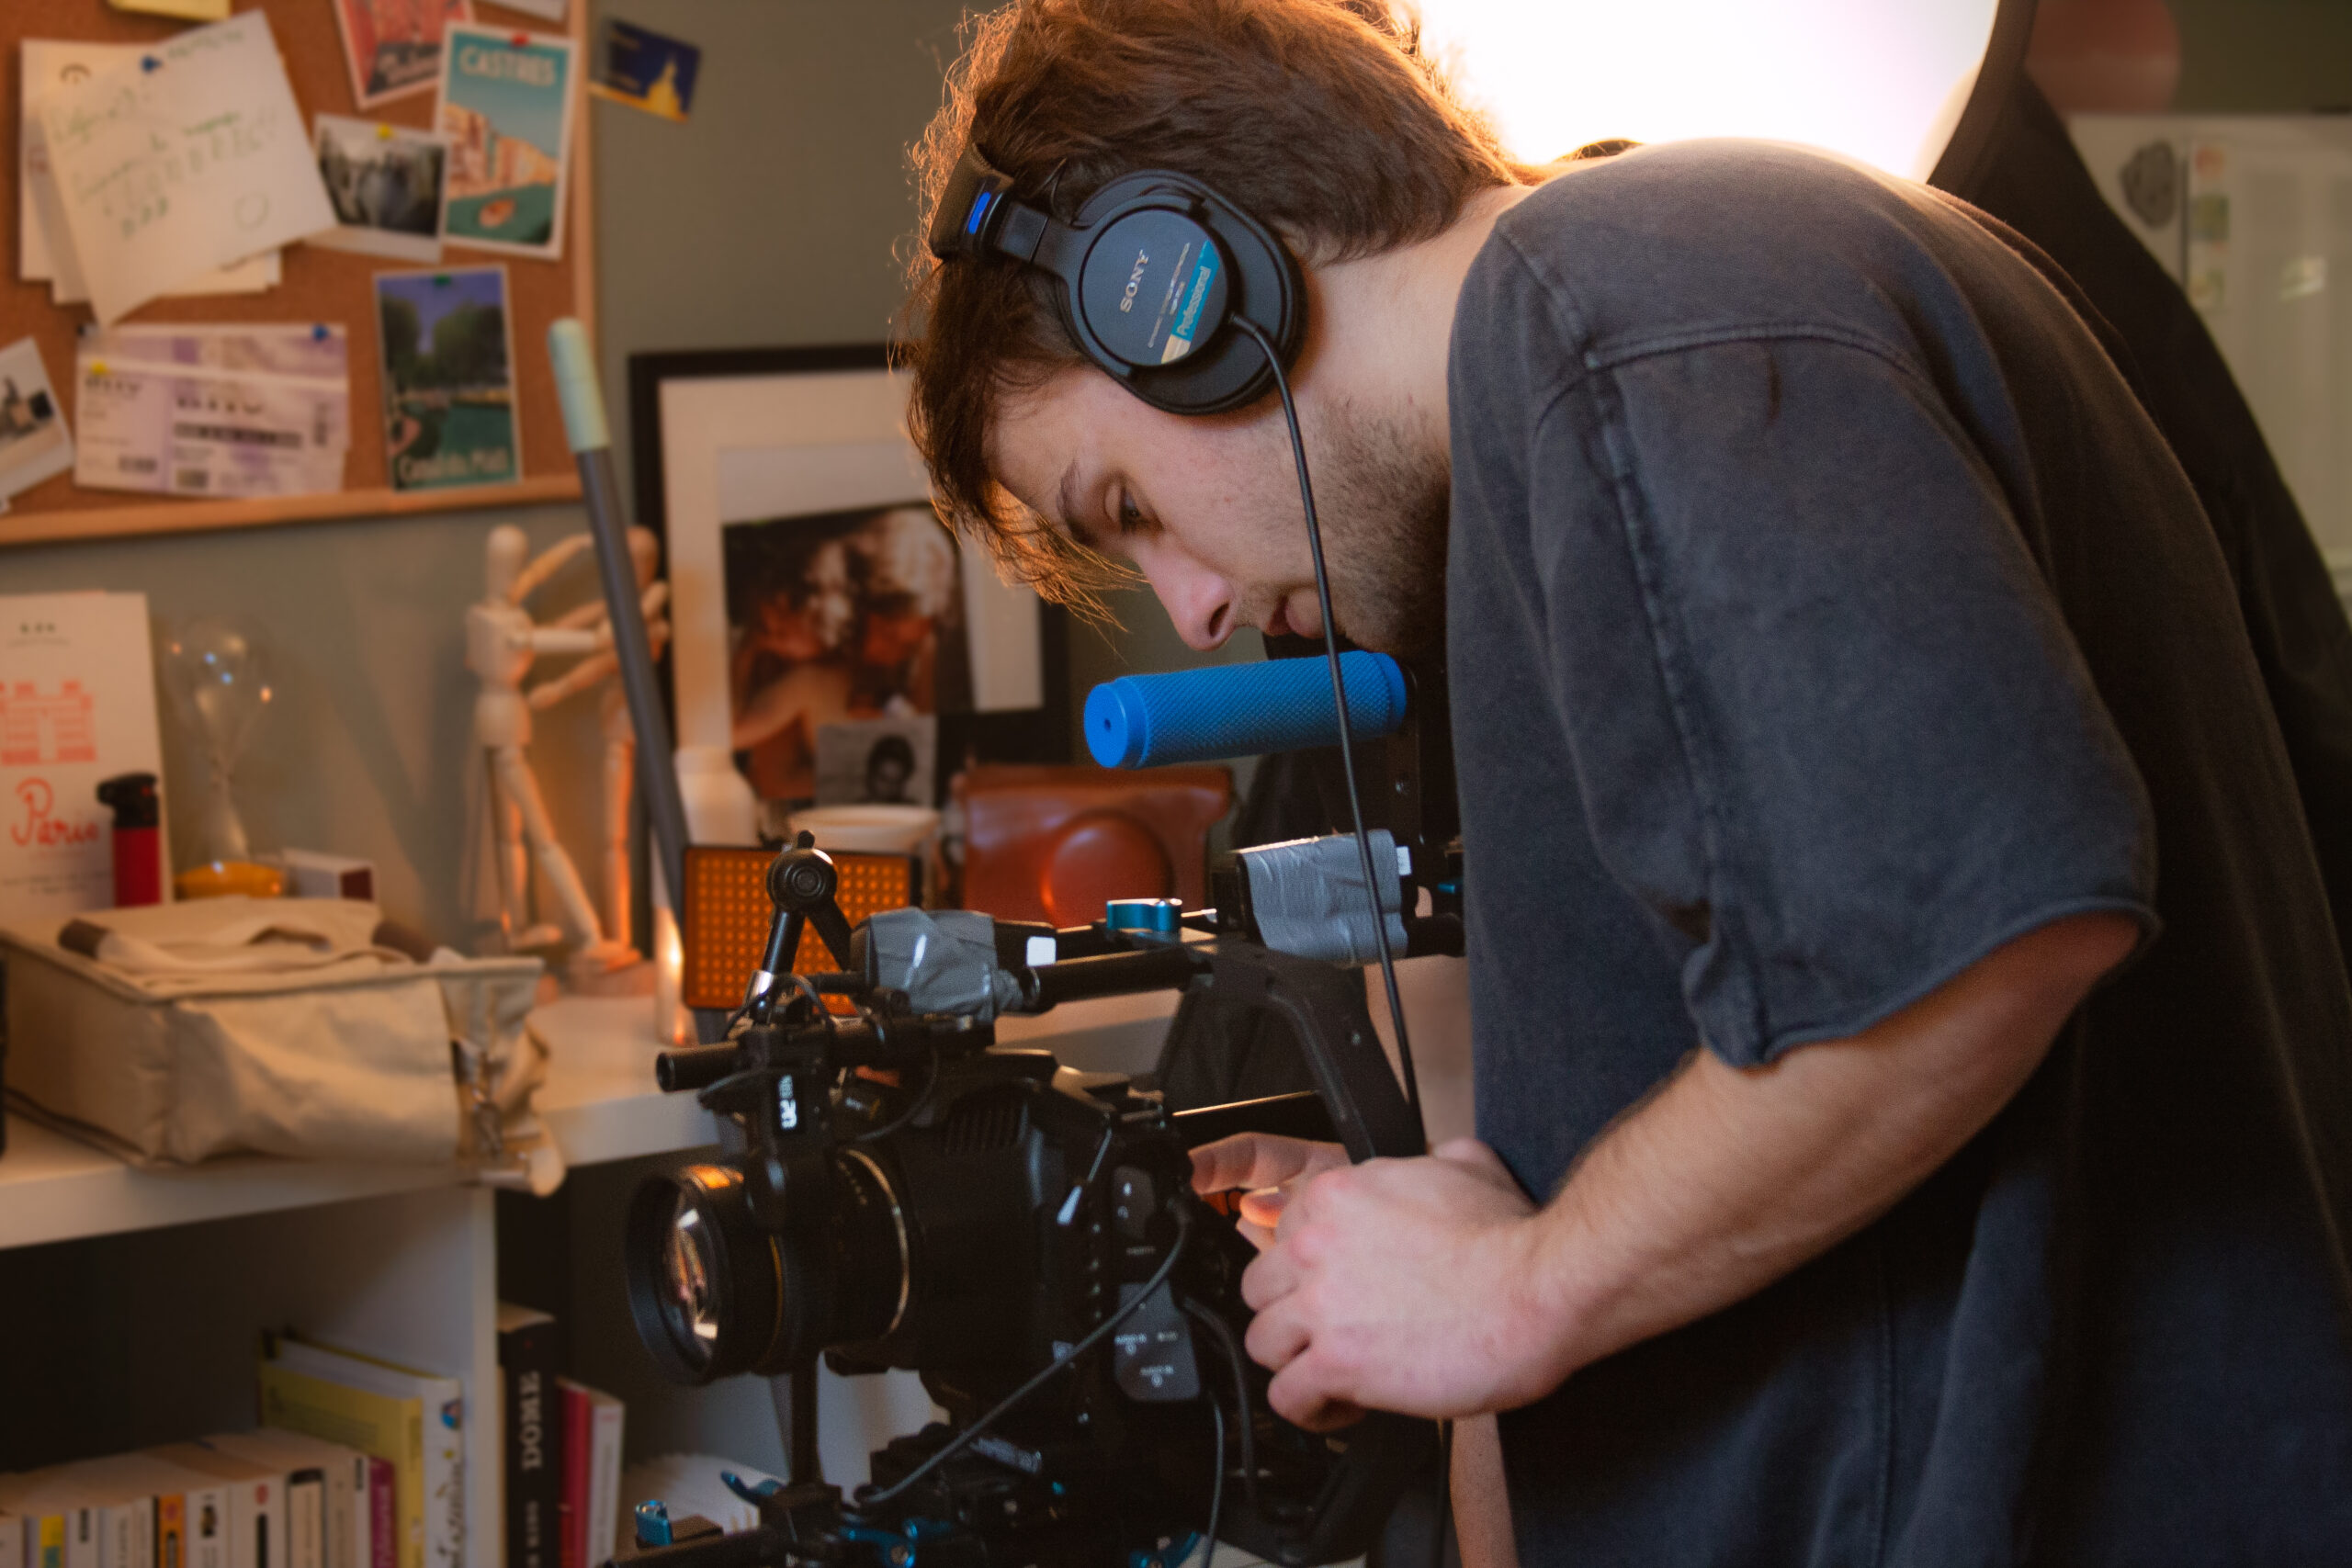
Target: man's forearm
1727 1179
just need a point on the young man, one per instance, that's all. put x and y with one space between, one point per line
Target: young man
1835 650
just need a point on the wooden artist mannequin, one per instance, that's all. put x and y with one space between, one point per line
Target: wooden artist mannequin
501 643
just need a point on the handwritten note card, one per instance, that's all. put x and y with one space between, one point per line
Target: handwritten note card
49 63
187 159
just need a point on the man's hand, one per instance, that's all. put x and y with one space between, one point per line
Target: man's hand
1396 1284
1267 1170
1431 1287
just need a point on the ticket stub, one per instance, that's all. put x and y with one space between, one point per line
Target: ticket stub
175 430
321 353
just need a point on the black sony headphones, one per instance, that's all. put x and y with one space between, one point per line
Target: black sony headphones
1154 271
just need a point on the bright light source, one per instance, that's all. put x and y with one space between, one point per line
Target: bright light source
1880 80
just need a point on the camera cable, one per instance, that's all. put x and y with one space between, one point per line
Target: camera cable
1347 734
930 1084
1217 1490
868 1499
1222 1332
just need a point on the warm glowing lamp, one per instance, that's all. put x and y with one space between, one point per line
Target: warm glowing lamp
1884 80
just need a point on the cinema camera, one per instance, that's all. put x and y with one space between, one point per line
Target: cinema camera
900 1191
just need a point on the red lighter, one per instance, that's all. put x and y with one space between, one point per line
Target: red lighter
138 847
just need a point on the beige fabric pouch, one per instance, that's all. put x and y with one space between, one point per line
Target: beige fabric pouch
192 1048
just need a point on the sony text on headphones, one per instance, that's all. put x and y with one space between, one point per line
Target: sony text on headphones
1153 270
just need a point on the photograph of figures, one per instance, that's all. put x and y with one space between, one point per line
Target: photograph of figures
847 639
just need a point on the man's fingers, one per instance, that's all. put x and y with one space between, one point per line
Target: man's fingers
1272 1277
1259 1159
1263 1209
1300 1394
1274 1338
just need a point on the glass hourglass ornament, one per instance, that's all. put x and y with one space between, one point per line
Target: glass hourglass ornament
218 682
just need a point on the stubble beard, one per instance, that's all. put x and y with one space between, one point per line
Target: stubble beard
1382 499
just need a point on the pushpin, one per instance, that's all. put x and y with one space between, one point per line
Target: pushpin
440 280
149 63
521 40
318 332
383 132
98 367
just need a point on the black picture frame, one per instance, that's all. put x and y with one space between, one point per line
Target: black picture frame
1040 735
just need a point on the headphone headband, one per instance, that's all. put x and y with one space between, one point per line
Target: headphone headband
1152 272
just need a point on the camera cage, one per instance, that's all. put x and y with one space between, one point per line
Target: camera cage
799 1081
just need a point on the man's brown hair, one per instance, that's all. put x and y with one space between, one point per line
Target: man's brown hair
1322 119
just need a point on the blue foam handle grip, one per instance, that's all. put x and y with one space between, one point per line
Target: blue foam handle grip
1239 710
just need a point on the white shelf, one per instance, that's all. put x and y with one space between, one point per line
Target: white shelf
54 1189
599 1101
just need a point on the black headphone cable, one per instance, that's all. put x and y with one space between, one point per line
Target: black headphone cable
1347 735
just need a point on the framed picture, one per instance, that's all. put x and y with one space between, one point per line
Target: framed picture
830 632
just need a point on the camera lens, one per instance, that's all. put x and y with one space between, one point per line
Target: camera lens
704 1280
713 1292
691 1267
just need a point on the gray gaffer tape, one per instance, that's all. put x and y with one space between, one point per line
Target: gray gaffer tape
944 959
1309 900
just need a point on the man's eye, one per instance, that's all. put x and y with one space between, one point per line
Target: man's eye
1130 515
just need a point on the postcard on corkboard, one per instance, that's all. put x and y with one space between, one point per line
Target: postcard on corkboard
449 414
505 106
386 183
392 47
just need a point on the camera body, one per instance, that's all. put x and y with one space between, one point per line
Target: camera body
899 1191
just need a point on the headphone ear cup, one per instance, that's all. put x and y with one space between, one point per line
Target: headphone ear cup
1226 369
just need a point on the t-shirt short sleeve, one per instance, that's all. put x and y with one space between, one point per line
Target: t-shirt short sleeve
1827 724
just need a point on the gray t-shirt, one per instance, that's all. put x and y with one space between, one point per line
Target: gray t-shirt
1823 614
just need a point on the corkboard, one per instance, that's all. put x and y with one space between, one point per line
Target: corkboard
318 286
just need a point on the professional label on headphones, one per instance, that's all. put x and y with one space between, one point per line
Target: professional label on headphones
1153 286
1185 329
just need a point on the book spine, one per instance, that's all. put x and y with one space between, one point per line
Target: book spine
604 1480
578 1434
171 1529
334 1528
129 1535
270 1524
103 1537
533 1426
85 1529
383 1516
355 1520
306 1518
205 1528
237 1528
12 1541
53 1541
445 1482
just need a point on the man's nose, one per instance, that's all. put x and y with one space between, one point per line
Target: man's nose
1198 600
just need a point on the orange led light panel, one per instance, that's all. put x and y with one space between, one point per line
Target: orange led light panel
723 925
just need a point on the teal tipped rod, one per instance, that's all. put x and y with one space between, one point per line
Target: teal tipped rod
592 446
577 389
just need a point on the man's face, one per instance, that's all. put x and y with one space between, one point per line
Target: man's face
886 780
1207 509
